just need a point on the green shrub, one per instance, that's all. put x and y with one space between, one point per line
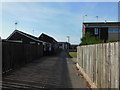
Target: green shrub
88 39
113 41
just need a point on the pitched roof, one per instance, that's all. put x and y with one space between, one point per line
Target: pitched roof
26 35
48 38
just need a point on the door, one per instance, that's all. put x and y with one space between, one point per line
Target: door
104 34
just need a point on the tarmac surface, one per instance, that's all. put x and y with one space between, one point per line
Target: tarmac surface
56 71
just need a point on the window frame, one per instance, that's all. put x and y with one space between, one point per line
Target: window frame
96 31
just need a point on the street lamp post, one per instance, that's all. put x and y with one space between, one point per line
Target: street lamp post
68 42
68 38
84 16
33 31
16 23
97 18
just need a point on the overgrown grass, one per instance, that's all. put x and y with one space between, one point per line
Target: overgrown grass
73 54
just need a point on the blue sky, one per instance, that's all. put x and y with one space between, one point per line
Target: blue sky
57 19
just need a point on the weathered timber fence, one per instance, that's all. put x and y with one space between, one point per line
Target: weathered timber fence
15 55
101 63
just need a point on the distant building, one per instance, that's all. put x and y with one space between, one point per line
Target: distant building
102 30
46 38
50 43
64 45
21 37
73 47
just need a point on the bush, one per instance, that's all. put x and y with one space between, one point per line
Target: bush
113 41
88 39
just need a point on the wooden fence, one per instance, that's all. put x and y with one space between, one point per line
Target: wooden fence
15 55
101 63
0 60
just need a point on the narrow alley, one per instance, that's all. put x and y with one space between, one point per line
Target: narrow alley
56 71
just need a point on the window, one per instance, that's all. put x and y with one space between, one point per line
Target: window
32 42
19 41
114 31
60 44
96 31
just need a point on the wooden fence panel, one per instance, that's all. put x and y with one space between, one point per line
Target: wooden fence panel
15 55
101 63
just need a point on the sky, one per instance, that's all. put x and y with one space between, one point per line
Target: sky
57 19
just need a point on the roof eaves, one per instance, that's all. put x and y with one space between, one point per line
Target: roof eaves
24 35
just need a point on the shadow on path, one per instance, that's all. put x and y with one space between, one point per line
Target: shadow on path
47 72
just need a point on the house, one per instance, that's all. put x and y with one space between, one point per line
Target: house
102 30
73 47
21 37
64 45
50 44
46 38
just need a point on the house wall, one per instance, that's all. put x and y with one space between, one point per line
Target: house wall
83 30
102 32
64 46
113 35
73 48
91 30
61 45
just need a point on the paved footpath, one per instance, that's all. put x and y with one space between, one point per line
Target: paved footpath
48 72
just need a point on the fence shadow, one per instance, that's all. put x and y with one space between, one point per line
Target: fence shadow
15 55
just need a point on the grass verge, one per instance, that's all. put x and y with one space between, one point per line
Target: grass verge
73 54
